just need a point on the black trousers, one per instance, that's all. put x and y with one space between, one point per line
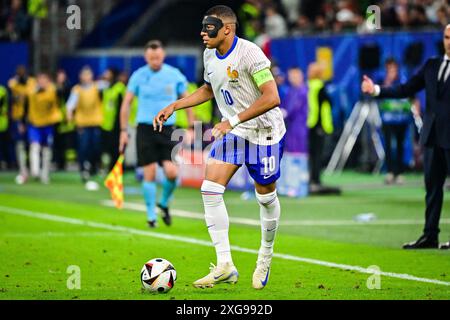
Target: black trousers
394 131
437 167
316 140
110 146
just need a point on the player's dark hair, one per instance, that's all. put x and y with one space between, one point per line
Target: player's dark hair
222 12
153 44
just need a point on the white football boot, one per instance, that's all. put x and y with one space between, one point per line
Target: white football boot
226 273
262 271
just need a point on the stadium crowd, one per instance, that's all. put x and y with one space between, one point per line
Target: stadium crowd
262 19
16 18
275 19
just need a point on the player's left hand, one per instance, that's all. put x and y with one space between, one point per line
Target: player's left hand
221 129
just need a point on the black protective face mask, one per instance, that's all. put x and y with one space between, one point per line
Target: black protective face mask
216 22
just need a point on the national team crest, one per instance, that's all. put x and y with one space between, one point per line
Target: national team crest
232 74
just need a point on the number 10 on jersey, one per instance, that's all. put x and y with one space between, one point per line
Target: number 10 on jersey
227 97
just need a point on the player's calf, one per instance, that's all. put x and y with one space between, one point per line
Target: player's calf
270 215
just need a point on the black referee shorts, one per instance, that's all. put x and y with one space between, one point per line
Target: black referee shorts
154 146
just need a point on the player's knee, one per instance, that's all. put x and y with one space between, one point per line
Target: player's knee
172 174
267 200
212 193
150 172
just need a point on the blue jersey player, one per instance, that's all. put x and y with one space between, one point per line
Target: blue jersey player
155 85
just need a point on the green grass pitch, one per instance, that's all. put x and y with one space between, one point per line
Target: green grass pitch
322 251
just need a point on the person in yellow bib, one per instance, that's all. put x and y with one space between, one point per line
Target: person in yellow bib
319 121
19 85
43 114
85 108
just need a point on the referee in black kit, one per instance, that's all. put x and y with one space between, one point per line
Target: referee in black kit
434 77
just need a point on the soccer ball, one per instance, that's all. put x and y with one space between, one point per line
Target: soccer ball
158 275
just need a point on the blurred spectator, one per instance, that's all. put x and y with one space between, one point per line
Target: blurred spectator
292 8
15 24
320 122
396 118
20 85
112 96
346 17
443 16
85 102
311 8
4 139
274 23
431 8
248 15
303 26
320 23
38 8
43 114
417 16
295 110
65 137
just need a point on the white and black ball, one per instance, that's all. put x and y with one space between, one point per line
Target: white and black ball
158 275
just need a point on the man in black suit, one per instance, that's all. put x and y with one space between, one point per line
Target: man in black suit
434 77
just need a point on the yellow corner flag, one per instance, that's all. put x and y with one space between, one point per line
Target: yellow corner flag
114 182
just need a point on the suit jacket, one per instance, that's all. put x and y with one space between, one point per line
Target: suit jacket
436 119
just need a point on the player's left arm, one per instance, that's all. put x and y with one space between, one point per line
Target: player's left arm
268 100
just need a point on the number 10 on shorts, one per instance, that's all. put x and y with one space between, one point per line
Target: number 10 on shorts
269 164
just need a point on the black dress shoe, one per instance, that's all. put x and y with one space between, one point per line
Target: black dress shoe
423 242
445 246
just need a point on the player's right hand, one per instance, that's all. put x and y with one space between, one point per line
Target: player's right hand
162 117
123 141
367 85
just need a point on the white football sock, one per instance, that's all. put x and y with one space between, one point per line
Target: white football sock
35 155
216 217
270 215
21 155
46 162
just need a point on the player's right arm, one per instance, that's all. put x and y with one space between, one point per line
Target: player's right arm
124 115
199 96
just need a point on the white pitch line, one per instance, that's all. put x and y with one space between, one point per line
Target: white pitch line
99 225
286 223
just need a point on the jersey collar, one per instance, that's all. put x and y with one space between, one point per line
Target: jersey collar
229 51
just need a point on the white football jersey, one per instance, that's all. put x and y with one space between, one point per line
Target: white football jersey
230 77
